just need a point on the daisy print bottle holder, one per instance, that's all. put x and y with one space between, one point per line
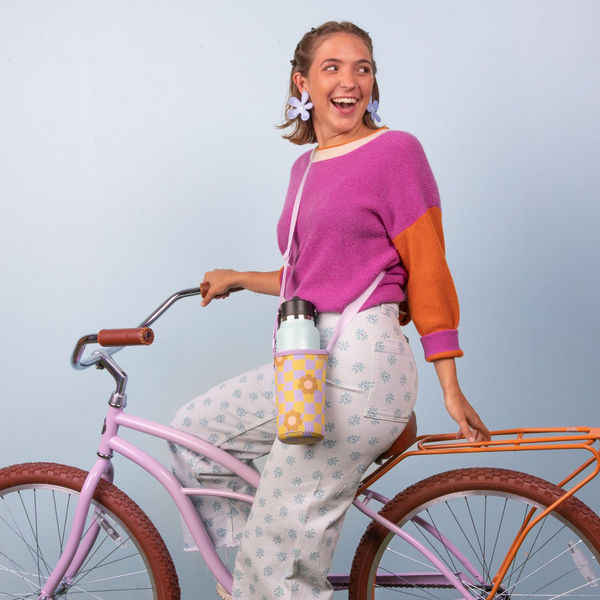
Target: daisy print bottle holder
299 362
300 372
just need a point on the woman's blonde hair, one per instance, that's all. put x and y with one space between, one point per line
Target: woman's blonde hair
304 131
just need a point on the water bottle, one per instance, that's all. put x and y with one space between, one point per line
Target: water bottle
300 374
297 329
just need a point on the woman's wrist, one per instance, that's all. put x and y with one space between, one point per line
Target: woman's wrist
260 282
445 369
243 279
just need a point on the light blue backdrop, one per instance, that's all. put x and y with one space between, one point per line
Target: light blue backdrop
138 152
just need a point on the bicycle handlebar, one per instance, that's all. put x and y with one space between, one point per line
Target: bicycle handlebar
124 337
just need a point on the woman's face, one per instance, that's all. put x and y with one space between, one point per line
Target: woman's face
341 69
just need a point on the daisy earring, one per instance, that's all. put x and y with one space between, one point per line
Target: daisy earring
300 107
373 107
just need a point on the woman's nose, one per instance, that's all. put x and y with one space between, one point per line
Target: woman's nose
348 84
348 81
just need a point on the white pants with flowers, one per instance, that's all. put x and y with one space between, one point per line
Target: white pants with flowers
287 537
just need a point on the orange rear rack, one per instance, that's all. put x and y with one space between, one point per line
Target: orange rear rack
573 438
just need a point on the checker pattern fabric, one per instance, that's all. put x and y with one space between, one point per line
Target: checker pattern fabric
300 383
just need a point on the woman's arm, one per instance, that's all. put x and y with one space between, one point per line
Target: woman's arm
261 282
223 281
457 405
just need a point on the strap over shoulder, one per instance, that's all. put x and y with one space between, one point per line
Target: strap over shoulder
352 309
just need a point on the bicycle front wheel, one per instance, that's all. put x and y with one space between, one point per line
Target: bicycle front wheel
469 518
37 503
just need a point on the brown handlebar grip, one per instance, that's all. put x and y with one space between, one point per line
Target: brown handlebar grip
139 336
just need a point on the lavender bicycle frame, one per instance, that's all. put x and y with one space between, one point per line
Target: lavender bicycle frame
77 549
75 553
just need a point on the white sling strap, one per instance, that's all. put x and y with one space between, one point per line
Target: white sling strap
352 309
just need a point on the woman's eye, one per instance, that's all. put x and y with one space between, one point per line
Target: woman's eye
366 69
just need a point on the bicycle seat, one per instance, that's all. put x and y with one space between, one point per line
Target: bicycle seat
404 441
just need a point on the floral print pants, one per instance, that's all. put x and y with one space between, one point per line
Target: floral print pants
287 537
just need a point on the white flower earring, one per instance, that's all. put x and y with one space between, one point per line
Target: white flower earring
300 107
373 107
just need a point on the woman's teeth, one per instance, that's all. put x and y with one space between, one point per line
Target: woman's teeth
346 105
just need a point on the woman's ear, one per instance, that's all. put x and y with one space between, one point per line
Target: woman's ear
300 82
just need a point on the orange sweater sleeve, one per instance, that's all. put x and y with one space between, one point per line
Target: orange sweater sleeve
431 300
417 233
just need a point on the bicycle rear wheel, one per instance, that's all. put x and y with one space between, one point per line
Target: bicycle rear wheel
37 503
469 518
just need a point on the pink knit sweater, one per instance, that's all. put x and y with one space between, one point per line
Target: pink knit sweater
368 205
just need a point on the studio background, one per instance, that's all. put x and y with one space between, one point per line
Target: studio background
138 151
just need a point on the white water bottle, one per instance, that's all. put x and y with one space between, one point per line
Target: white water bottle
297 328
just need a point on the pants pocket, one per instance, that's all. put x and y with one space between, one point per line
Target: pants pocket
394 387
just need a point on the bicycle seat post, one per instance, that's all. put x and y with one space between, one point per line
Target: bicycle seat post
118 399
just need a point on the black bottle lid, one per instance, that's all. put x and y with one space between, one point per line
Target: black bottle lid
296 306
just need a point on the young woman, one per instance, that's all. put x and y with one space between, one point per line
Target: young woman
370 202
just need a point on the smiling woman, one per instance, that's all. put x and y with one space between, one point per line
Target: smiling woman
334 63
370 214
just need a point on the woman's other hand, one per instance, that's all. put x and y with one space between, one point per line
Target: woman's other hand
221 283
471 425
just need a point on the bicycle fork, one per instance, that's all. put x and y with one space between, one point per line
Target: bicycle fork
77 549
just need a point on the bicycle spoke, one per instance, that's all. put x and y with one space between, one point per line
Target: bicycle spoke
465 536
543 545
99 563
82 591
37 553
483 564
512 567
43 512
20 533
31 550
110 591
429 566
57 524
89 558
454 569
65 521
433 547
29 583
111 562
484 531
498 532
531 554
538 569
116 576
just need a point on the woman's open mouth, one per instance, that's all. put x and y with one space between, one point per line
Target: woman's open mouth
344 107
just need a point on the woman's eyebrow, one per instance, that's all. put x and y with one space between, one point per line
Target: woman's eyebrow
338 60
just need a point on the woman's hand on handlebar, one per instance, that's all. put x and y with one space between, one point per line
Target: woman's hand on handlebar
221 283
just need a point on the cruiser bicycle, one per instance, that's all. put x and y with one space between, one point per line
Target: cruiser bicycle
471 533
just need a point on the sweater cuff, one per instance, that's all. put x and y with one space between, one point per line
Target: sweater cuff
441 344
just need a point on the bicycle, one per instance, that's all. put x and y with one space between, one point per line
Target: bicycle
483 533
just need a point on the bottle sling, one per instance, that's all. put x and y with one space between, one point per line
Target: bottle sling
301 373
